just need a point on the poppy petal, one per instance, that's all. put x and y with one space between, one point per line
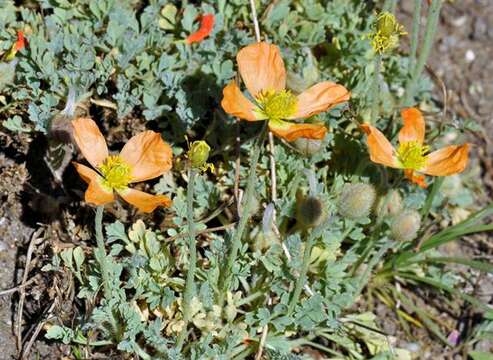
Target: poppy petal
206 26
261 68
319 98
237 104
381 150
143 201
148 155
90 141
447 161
414 126
292 131
96 193
417 179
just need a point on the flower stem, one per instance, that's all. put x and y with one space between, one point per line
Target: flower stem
388 5
437 183
100 252
300 282
375 89
192 248
415 35
429 36
226 274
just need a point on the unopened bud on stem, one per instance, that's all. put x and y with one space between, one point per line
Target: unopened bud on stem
356 200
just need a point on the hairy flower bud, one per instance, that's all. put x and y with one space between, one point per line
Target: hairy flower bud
308 147
405 225
309 211
389 204
356 200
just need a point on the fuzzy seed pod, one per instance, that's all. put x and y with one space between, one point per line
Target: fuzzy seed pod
309 211
405 225
308 147
389 204
356 200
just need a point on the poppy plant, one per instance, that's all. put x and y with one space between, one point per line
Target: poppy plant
145 156
412 155
262 70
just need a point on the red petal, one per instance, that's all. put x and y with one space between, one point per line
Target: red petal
206 26
21 41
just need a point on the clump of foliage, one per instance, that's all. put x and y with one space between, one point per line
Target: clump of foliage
327 235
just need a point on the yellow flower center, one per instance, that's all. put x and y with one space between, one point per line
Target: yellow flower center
116 173
412 155
277 105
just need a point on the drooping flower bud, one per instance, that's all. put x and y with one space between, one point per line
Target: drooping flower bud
386 32
308 147
405 225
356 200
389 204
309 211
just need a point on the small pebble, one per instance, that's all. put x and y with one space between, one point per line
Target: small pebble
470 56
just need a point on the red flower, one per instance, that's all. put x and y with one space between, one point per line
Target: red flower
206 26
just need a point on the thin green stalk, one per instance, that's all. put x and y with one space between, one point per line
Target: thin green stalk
226 274
437 183
375 89
371 264
388 5
192 249
431 27
300 281
100 252
415 35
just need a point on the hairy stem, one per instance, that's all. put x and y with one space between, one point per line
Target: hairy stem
415 35
226 274
375 89
100 252
192 248
300 282
437 183
389 5
429 36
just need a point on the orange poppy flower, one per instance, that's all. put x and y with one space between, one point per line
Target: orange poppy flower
412 155
145 156
262 70
206 27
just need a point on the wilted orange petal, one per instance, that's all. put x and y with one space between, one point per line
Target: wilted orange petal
236 104
95 193
261 67
320 97
414 126
381 150
90 141
417 179
148 156
206 26
143 201
292 131
447 161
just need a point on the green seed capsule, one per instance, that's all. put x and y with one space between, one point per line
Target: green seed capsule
405 225
198 154
356 200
